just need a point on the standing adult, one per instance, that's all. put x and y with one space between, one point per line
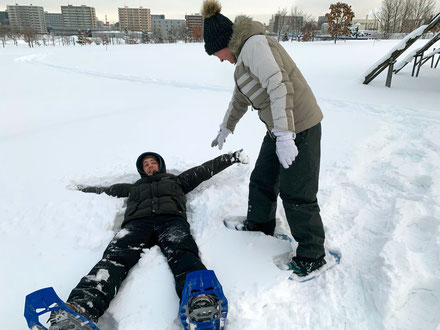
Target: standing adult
267 79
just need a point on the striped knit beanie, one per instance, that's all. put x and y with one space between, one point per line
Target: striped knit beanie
217 29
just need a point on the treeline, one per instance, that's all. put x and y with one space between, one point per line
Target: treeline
403 16
102 37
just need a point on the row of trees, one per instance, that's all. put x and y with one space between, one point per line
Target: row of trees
403 16
302 24
393 16
32 37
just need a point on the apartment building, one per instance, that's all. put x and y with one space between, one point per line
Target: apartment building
24 17
54 21
4 20
134 19
167 26
194 23
78 17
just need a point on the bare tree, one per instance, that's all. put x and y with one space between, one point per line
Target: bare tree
14 35
157 36
423 10
172 34
297 20
281 22
384 17
4 32
183 33
339 19
30 36
308 31
403 15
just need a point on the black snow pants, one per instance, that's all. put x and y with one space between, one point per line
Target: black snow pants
96 290
297 187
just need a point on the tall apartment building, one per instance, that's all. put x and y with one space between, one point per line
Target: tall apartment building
134 19
78 17
23 17
54 21
4 20
194 23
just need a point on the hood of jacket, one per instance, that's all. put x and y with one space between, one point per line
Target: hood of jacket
160 160
244 28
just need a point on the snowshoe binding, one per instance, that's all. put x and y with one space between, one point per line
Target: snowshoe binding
203 304
62 316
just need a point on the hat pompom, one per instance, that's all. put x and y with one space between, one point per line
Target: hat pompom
210 8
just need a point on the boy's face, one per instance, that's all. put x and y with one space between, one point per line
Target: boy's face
150 165
225 54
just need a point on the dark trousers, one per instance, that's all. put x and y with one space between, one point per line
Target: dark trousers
96 290
297 187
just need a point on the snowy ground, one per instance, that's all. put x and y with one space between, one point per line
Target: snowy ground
83 114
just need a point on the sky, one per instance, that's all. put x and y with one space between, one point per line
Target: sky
260 10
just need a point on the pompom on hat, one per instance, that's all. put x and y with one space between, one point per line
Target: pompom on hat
217 29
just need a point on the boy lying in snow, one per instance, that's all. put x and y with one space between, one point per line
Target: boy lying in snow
156 214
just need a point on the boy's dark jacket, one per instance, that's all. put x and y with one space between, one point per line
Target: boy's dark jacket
162 193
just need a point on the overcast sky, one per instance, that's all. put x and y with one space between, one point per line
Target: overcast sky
260 10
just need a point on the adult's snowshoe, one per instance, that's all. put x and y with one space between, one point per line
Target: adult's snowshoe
61 318
203 304
241 223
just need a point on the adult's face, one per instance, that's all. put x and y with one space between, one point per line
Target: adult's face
225 54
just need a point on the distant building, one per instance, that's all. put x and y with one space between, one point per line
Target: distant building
78 17
194 23
157 17
4 20
287 24
23 17
134 19
54 21
167 27
366 24
322 20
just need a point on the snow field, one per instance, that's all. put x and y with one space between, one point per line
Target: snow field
82 115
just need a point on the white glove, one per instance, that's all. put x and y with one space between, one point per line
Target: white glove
240 157
221 137
74 186
286 148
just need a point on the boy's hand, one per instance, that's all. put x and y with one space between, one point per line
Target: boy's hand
74 186
240 157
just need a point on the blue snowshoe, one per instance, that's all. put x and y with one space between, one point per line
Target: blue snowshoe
203 304
62 317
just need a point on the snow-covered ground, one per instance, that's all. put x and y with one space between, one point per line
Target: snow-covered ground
84 114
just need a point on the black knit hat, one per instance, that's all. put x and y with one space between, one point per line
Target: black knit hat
217 29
